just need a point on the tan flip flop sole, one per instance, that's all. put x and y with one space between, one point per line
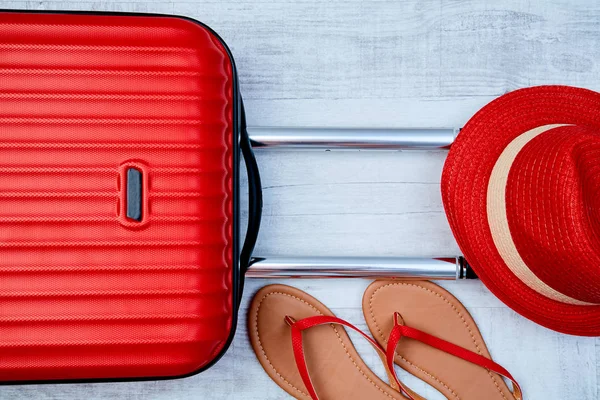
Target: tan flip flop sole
432 309
335 368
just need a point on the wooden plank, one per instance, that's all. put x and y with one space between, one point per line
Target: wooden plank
598 368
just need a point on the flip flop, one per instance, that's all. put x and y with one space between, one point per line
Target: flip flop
417 310
277 316
282 347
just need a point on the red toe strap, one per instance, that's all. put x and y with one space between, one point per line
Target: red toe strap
399 330
306 323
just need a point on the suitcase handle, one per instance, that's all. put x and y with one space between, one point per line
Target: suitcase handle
352 138
360 267
355 267
254 198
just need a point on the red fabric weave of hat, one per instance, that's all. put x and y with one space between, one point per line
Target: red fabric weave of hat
552 202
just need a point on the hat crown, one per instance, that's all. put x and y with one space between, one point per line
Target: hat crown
553 209
587 159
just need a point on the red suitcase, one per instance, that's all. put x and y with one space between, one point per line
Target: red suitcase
119 142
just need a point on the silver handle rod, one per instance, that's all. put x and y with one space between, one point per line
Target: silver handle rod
352 138
357 267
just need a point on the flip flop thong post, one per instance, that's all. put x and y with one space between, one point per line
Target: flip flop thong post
336 370
432 310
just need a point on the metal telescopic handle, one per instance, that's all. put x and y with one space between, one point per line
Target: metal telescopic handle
352 138
359 267
353 267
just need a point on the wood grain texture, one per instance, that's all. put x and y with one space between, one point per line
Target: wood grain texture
419 63
598 368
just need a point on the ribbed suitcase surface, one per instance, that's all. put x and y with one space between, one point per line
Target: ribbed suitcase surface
87 291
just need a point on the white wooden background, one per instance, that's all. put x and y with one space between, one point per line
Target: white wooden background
416 63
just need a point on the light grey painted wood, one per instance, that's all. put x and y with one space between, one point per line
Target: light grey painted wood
377 63
598 368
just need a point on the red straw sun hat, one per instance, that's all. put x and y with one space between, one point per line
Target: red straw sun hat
521 189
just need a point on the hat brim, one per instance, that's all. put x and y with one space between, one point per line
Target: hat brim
465 181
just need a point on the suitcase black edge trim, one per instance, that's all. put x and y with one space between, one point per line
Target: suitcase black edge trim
255 201
236 289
